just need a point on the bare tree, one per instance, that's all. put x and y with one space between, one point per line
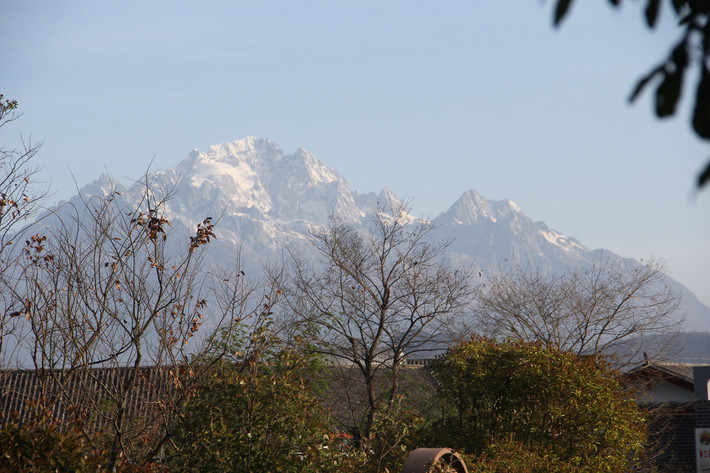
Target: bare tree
117 319
374 298
593 310
20 201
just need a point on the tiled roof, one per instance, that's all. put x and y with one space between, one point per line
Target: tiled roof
342 390
681 371
651 373
87 393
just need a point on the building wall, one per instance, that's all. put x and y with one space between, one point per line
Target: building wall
665 392
672 434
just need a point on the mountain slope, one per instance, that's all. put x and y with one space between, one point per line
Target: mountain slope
496 234
263 199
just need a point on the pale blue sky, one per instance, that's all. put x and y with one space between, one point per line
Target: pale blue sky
428 98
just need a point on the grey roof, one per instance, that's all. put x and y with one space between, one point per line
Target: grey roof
681 371
87 393
341 390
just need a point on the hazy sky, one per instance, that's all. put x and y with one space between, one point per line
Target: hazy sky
429 98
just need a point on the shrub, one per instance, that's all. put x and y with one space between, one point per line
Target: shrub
543 405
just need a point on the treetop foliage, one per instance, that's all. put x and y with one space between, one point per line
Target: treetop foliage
554 403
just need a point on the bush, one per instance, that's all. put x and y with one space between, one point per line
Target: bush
513 401
247 418
41 444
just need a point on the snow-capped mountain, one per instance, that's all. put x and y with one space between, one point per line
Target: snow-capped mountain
255 178
495 234
260 197
263 199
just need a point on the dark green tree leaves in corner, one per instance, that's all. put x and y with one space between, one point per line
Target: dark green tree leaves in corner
693 48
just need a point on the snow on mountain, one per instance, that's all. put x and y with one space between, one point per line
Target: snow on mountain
497 234
260 197
263 199
255 178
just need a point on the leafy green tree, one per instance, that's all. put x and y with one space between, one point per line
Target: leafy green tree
41 444
394 435
552 404
254 416
510 456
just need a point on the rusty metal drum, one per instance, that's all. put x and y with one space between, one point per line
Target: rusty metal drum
421 460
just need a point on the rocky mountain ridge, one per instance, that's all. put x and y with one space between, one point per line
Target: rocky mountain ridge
263 199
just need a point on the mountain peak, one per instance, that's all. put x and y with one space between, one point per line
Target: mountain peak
387 198
254 177
470 208
249 148
267 199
